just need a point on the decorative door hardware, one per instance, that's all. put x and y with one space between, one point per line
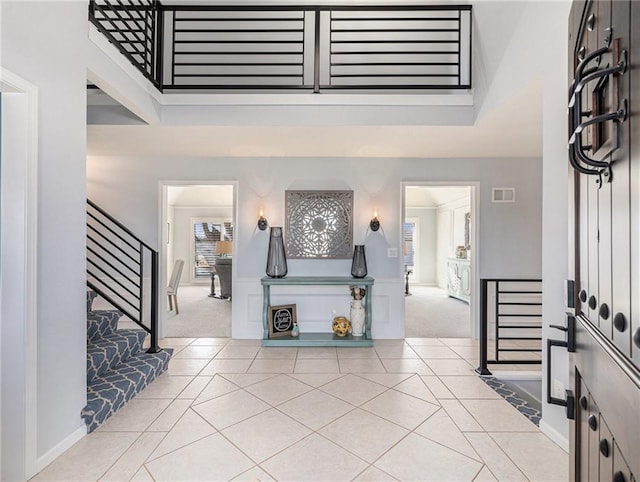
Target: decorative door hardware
570 345
583 76
620 322
636 337
604 447
569 293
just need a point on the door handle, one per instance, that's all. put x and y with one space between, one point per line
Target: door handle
619 68
619 115
570 345
582 77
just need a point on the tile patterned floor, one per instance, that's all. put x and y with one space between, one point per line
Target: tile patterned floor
230 410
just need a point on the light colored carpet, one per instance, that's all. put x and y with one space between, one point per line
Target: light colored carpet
200 316
430 313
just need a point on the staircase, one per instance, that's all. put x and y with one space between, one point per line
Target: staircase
117 367
123 270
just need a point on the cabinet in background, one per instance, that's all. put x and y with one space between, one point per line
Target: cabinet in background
459 278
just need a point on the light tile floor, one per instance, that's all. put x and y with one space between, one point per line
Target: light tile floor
230 410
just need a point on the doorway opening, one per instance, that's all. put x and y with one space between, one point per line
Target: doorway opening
439 268
198 254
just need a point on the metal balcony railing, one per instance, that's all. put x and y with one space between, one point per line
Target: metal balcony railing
510 322
298 48
131 25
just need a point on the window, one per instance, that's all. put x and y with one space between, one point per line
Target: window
408 246
205 235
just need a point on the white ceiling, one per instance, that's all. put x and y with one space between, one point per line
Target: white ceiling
200 196
433 196
513 129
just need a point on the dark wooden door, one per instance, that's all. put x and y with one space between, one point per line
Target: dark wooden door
604 139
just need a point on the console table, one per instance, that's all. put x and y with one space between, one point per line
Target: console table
317 339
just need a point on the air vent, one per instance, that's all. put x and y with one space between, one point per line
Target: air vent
503 195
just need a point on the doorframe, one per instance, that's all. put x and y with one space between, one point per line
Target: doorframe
27 235
163 186
474 303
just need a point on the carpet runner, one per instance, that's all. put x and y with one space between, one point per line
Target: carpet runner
117 366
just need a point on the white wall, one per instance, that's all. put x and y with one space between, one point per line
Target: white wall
35 48
426 247
555 230
133 198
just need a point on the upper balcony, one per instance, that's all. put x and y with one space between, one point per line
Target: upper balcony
290 72
334 48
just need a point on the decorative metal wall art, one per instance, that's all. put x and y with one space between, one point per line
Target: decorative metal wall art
319 224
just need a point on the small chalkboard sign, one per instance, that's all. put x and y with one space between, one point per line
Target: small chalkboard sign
281 320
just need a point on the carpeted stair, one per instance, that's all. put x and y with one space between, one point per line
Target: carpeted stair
117 366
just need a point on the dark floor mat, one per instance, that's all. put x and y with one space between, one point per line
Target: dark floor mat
519 393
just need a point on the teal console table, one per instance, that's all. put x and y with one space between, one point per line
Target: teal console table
316 339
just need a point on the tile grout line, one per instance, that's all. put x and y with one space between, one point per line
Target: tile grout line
339 375
149 459
506 455
149 425
121 455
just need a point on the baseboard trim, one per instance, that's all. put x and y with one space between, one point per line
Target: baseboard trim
59 449
559 439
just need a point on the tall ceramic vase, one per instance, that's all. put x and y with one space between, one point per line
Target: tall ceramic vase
359 263
357 318
276 259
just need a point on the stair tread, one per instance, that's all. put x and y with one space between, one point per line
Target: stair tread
109 392
101 312
110 350
91 295
102 322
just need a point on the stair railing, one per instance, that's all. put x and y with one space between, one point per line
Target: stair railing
514 308
135 28
123 270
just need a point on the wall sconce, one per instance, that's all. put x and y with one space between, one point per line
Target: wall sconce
262 221
374 224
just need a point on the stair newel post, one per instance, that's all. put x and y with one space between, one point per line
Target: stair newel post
483 369
154 348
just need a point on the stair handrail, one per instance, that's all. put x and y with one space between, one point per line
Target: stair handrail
118 223
113 253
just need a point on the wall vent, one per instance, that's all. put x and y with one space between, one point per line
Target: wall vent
503 195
